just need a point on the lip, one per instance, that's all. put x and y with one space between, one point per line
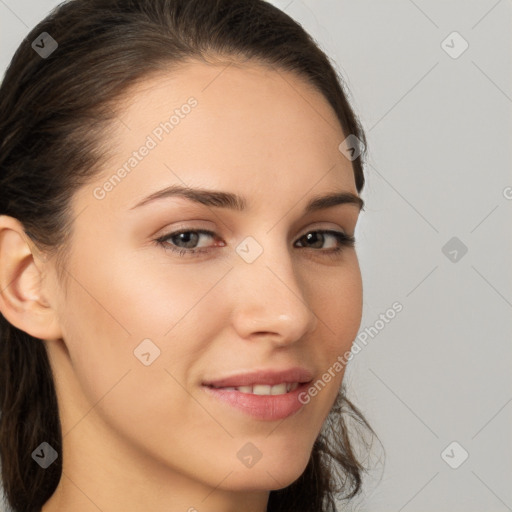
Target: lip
262 407
267 377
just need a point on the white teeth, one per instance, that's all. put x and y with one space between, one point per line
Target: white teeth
261 389
264 389
279 389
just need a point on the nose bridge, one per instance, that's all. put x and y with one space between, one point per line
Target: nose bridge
270 297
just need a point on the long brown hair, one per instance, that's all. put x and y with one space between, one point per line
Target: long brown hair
55 111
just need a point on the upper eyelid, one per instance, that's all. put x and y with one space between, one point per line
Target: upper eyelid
315 227
214 235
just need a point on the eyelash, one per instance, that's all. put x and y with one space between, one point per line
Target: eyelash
343 239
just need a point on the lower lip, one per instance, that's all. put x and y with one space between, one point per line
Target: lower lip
263 407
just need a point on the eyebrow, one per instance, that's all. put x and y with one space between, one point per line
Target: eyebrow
219 199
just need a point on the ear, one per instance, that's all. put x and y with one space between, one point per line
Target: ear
22 293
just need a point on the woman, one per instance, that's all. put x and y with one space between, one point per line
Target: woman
179 284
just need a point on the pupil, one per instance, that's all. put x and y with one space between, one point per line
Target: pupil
318 236
187 235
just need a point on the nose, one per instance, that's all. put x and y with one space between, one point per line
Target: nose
270 300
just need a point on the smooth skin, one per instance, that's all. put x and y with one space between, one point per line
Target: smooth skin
140 437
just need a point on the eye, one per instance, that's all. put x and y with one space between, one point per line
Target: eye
184 242
188 237
318 237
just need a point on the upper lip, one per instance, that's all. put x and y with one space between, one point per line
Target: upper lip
266 377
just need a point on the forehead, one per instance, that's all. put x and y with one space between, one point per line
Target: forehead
275 100
232 126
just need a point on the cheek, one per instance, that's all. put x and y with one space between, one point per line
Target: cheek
116 304
108 314
159 292
337 300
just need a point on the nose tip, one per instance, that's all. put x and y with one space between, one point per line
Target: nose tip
270 306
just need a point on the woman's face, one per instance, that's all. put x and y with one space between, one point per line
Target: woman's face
145 330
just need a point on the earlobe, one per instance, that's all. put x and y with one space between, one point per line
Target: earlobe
22 299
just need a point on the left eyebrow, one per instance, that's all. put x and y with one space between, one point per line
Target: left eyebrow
220 199
330 200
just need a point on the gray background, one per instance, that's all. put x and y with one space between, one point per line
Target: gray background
439 144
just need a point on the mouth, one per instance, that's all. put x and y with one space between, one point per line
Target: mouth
261 402
263 395
265 381
262 389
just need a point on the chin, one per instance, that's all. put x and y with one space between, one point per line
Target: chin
276 472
